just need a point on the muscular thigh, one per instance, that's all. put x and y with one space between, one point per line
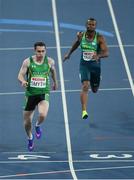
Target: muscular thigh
32 101
95 74
84 73
95 77
43 107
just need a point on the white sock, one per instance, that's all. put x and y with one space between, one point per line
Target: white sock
37 124
31 136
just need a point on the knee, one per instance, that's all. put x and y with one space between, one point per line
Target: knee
27 122
85 87
27 119
42 116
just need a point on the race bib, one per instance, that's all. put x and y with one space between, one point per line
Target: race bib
87 56
38 82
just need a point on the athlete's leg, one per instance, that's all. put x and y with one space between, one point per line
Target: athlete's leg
85 77
84 98
84 95
28 116
95 77
95 82
30 104
43 107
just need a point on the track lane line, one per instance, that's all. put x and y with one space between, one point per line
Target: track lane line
67 131
109 2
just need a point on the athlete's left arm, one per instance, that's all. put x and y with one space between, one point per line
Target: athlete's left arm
53 73
103 47
103 52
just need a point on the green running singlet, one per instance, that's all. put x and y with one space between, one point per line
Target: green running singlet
38 78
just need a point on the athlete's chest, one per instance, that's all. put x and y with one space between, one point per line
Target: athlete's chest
36 68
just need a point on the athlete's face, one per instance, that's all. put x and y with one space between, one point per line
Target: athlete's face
91 25
40 52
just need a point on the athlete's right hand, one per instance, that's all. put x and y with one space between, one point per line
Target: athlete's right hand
24 84
67 56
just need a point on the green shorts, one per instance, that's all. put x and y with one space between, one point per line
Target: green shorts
32 101
90 71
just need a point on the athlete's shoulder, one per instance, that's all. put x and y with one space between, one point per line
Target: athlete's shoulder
51 61
80 35
100 37
26 62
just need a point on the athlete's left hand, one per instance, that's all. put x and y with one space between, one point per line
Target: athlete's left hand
95 57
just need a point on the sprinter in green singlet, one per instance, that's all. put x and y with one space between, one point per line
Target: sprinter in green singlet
93 48
34 77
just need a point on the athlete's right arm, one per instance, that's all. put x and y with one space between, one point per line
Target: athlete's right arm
74 46
22 73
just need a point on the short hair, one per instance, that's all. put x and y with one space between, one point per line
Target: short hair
92 19
40 43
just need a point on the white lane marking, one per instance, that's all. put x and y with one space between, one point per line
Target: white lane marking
66 161
69 149
68 91
67 171
28 156
62 47
121 45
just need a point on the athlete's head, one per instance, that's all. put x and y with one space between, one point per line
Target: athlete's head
91 24
40 49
